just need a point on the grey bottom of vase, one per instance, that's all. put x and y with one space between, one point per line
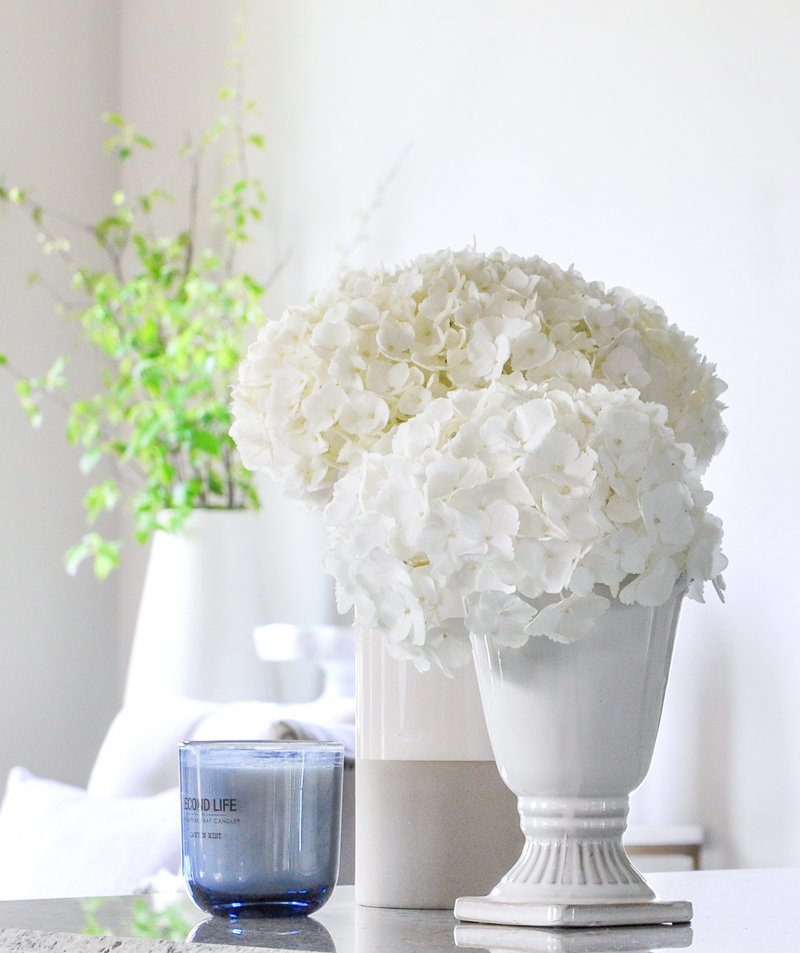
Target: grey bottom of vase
428 832
487 910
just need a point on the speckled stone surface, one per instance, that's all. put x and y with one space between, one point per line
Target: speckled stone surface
35 941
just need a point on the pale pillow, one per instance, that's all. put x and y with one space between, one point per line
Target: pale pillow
256 721
58 841
139 755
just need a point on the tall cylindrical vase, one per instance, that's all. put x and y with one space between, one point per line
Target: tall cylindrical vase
433 818
203 596
573 728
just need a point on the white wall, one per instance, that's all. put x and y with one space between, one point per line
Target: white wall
655 146
58 646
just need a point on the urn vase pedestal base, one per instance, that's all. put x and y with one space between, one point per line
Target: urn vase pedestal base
573 872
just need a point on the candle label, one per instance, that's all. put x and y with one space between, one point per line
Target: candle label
203 811
212 805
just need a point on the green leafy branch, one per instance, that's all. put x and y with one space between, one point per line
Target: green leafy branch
171 321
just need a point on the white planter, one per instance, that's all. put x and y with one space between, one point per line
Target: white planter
433 818
573 729
202 598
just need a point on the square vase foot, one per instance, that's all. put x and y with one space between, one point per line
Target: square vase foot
491 910
630 939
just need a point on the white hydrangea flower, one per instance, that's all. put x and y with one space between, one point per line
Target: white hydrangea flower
471 509
503 617
568 619
492 431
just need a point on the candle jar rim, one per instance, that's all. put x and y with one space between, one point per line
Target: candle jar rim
267 745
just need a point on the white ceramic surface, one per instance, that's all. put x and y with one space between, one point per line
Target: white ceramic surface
573 728
407 715
432 814
202 598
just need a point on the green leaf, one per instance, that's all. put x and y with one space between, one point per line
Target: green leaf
166 924
105 553
102 496
180 495
90 459
75 556
54 378
215 484
3 359
91 924
202 440
28 402
106 559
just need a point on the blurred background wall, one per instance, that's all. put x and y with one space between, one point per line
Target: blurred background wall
656 146
58 648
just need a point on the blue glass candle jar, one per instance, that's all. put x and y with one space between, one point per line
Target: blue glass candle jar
260 825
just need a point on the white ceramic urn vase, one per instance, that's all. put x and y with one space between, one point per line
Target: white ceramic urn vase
203 596
572 728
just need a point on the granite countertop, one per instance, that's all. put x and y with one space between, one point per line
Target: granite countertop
736 911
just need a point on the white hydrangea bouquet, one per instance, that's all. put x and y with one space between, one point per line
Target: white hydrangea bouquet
497 446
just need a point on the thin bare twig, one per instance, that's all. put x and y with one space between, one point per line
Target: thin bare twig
241 145
34 212
195 156
365 217
49 395
56 295
64 216
226 452
241 142
272 277
115 256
